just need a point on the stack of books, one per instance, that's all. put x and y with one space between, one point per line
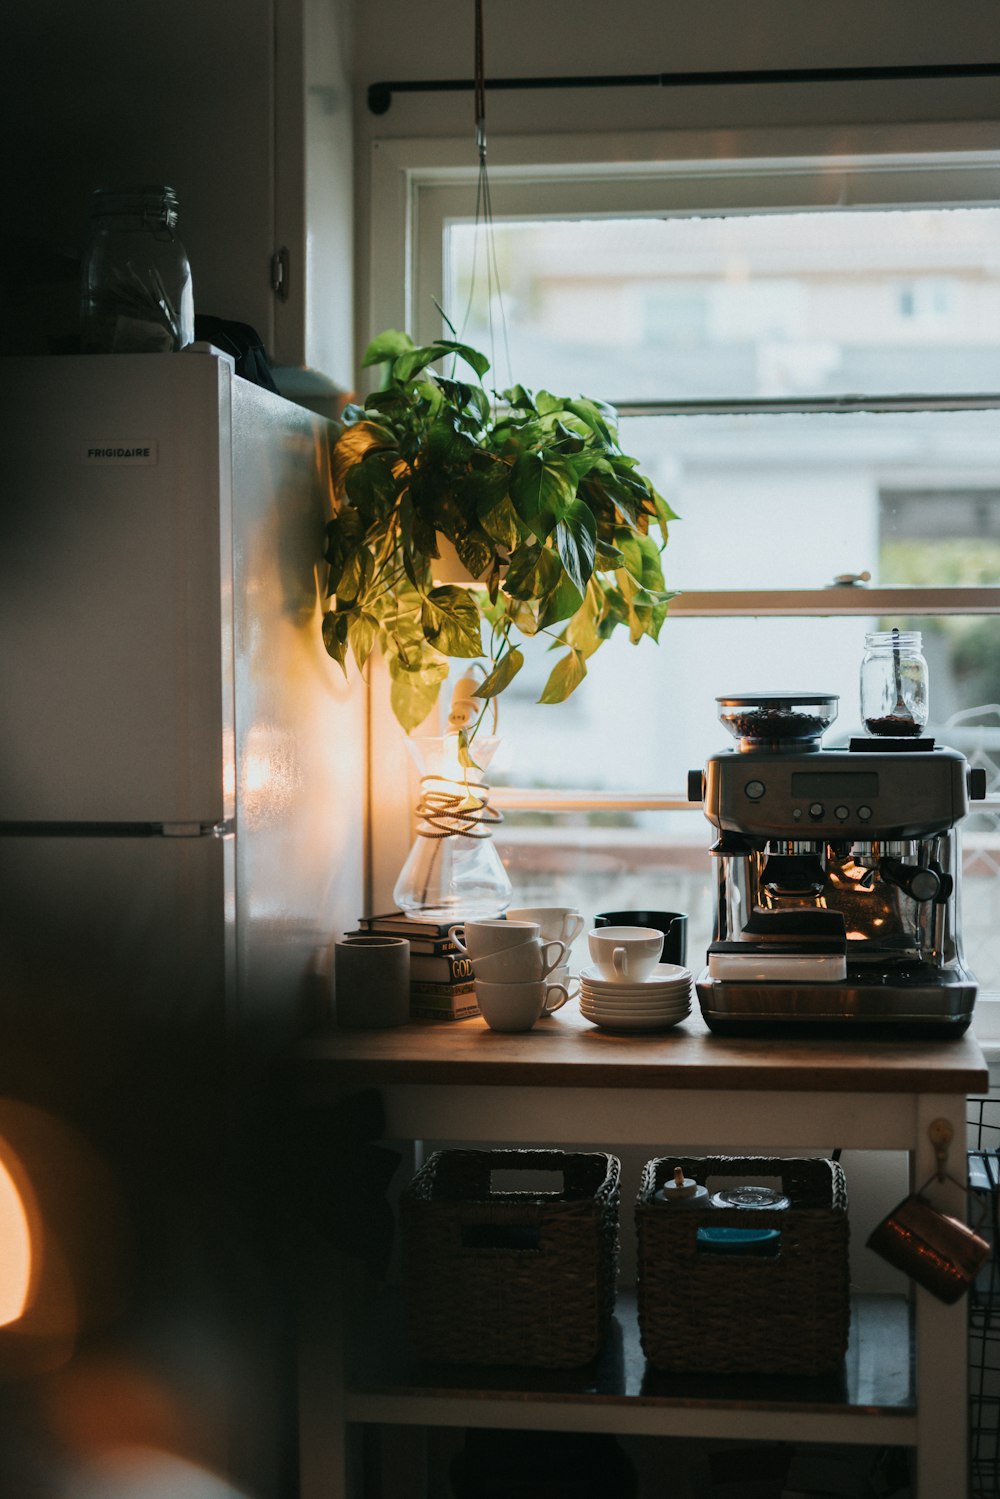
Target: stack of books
441 981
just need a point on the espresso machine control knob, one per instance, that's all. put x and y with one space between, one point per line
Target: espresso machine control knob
696 785
916 879
977 783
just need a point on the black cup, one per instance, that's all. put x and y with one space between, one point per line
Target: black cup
673 925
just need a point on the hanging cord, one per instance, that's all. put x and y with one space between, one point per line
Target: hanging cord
462 813
458 807
480 86
484 212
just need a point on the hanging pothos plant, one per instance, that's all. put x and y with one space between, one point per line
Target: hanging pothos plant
538 500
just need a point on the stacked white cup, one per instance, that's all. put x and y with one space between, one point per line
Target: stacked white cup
512 964
556 923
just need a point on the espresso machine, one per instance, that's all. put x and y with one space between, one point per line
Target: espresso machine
837 876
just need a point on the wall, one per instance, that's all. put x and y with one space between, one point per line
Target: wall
243 106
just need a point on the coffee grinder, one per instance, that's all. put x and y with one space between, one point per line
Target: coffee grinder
837 875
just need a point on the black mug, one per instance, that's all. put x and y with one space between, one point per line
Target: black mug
673 925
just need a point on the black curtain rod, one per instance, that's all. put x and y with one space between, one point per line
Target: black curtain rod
380 94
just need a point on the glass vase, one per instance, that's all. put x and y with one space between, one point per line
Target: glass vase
453 871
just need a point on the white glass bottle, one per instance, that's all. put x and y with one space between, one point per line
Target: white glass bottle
894 684
453 871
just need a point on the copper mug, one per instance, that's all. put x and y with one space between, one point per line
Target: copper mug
941 1253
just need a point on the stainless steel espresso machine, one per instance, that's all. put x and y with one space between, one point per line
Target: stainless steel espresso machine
837 876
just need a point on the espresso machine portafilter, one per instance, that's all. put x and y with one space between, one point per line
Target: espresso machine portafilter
837 878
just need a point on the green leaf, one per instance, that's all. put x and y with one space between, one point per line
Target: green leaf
541 490
523 614
451 622
372 485
445 444
519 398
576 543
415 681
499 521
355 578
533 573
362 632
335 638
600 419
474 552
565 677
353 444
664 514
412 360
466 760
560 603
344 535
608 556
582 632
502 674
387 345
472 357
411 699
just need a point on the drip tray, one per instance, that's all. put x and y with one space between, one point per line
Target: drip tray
748 962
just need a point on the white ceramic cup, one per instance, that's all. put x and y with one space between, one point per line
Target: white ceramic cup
554 922
526 963
625 952
569 981
516 1007
479 938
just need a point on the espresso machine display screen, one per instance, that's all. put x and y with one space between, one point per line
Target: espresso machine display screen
836 875
834 783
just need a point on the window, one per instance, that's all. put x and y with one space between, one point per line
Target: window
803 348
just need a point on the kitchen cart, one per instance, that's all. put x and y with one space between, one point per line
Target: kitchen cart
565 1083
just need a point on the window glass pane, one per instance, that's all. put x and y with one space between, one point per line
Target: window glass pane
646 714
838 302
791 501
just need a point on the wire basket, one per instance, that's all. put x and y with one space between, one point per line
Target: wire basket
984 1301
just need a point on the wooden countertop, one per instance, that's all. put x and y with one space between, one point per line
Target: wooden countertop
565 1051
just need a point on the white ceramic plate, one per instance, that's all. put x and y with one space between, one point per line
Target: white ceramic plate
662 974
637 997
607 1013
635 1026
599 1012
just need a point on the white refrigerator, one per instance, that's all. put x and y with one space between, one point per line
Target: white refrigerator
181 777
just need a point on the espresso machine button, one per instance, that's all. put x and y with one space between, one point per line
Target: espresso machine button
754 790
841 813
864 813
816 810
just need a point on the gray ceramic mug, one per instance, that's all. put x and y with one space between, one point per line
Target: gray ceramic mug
371 982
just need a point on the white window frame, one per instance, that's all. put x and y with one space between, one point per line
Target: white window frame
419 185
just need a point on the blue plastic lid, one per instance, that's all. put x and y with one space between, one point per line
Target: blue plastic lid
736 1240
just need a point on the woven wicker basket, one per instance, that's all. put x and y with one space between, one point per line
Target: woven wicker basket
738 1313
522 1277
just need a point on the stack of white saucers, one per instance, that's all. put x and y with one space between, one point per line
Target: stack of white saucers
654 1004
